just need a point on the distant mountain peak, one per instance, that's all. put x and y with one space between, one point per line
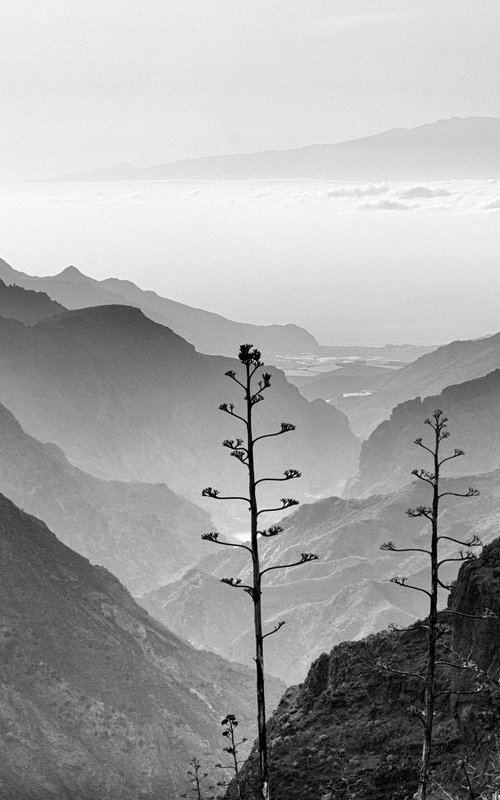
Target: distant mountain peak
458 147
71 273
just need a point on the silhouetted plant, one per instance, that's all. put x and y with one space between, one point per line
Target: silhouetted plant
230 723
242 449
197 778
435 630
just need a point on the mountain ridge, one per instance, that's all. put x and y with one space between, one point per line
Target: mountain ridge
348 729
128 399
99 700
209 332
345 594
450 364
473 423
143 533
468 147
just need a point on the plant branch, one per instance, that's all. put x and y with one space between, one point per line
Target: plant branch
304 558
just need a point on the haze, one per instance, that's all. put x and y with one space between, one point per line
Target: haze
94 84
353 264
88 85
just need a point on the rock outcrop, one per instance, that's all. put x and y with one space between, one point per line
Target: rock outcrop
348 730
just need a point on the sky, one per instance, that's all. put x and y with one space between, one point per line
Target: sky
354 263
100 82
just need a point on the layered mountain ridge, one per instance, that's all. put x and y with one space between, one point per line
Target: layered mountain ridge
461 147
145 534
343 596
209 332
456 362
27 306
127 399
99 700
472 408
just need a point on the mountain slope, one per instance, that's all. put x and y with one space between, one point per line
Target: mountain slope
387 456
144 534
453 363
348 730
25 305
209 332
344 595
127 399
98 700
451 148
351 378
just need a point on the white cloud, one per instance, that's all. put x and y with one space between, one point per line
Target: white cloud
357 191
422 191
492 205
385 205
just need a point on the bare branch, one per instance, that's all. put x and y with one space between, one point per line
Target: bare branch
286 427
237 584
286 502
391 547
241 456
288 475
234 444
409 629
232 374
213 536
456 454
423 475
419 511
264 384
275 629
469 493
304 558
229 409
462 556
214 494
273 530
423 446
474 542
401 581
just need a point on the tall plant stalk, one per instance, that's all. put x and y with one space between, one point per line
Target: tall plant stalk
244 449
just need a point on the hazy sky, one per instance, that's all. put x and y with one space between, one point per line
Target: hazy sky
89 83
357 263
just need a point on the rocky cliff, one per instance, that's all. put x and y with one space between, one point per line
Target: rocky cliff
348 730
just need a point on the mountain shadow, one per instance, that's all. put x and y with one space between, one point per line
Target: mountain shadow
98 699
26 305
